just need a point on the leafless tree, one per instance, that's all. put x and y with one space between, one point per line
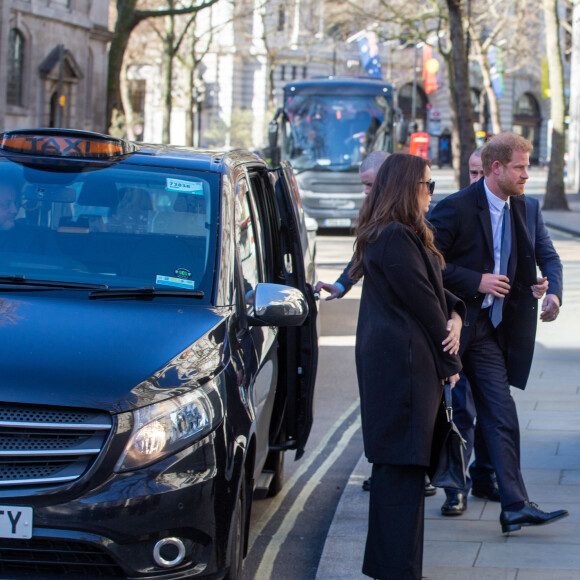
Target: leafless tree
515 26
128 16
555 197
439 22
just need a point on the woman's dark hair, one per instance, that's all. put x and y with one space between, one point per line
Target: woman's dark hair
393 198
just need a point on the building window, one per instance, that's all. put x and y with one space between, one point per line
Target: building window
527 106
281 18
15 68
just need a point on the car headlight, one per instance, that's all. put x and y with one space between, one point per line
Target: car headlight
164 428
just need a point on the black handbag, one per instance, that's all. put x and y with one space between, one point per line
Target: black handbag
447 460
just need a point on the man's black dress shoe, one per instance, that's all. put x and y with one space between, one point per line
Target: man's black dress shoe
529 515
489 492
455 504
366 484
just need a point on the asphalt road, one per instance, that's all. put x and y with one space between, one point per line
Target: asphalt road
288 532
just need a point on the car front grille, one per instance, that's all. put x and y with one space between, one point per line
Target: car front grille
46 559
48 446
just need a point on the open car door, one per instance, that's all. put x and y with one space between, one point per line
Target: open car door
302 341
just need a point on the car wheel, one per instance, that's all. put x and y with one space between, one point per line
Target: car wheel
237 543
275 464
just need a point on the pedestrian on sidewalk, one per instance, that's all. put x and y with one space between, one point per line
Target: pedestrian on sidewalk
406 345
367 173
481 477
490 247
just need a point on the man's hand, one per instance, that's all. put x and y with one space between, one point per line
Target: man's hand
539 289
550 308
496 284
332 289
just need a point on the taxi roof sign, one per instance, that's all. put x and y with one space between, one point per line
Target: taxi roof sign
65 143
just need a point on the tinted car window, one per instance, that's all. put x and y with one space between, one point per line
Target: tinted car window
120 226
247 242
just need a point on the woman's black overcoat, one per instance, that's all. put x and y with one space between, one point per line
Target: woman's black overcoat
399 357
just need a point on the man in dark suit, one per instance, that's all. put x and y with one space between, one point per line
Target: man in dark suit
367 173
481 477
474 229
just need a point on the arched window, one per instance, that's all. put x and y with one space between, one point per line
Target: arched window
526 106
15 68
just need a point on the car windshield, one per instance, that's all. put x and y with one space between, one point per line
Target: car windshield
334 133
123 226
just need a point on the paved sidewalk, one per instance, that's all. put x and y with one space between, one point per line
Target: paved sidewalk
472 547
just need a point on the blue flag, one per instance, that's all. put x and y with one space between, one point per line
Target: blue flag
368 47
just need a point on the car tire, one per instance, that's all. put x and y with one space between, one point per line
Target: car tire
275 464
238 540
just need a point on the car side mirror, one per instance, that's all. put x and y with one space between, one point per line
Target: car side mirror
278 305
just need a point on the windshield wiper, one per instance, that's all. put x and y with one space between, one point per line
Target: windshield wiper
31 283
143 292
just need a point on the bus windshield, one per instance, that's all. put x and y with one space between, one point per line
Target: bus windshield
335 132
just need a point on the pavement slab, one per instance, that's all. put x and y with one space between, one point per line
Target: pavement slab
472 547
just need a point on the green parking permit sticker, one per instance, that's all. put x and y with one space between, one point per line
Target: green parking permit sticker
183 186
177 282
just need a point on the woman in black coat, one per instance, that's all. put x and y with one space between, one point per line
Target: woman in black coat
406 347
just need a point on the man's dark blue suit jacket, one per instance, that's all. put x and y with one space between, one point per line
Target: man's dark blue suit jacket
462 226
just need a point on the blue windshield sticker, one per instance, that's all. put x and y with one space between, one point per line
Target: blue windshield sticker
177 282
183 186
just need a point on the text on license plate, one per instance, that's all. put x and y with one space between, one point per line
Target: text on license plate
337 222
15 521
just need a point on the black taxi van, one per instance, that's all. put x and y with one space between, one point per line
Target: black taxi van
158 352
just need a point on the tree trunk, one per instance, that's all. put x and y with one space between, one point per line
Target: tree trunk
491 97
555 197
167 67
124 25
127 107
574 110
189 117
459 86
128 17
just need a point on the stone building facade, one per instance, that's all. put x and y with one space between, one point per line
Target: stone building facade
248 63
47 45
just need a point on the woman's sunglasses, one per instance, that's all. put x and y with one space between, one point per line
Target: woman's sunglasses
430 185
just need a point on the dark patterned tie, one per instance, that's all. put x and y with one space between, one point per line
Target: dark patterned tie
506 245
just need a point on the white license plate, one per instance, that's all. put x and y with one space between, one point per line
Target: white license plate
337 223
15 521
